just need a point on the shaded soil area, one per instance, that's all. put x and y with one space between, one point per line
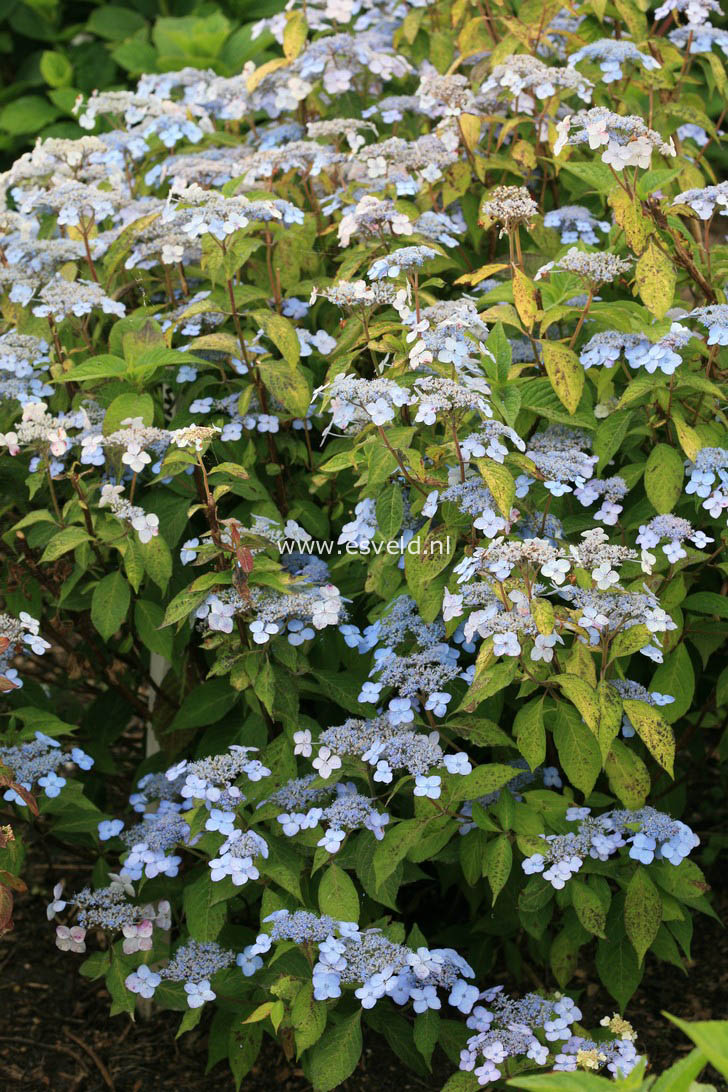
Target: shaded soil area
55 1032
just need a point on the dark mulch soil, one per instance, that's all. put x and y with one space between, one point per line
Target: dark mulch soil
55 1032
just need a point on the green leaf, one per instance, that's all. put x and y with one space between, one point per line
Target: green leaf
335 1055
394 847
588 906
680 1076
618 968
157 561
565 373
530 733
205 705
578 749
205 911
390 509
710 1037
630 217
128 405
609 436
583 696
499 345
628 776
675 676
664 478
426 1032
707 603
500 482
56 70
147 620
561 1082
115 23
642 912
122 1000
105 366
282 333
308 1018
482 781
498 863
487 682
597 176
27 114
65 540
654 732
243 1049
109 604
433 552
337 895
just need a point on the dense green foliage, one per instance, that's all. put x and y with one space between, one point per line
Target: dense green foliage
52 51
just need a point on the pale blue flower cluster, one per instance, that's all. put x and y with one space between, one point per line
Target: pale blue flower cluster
150 840
612 53
607 347
650 834
676 530
378 966
699 38
714 318
576 224
708 479
350 810
193 964
18 636
236 857
404 259
207 779
37 763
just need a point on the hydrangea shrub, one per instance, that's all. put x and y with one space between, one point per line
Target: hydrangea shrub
365 449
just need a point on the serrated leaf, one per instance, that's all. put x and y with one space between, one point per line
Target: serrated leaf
642 912
654 732
664 474
109 604
655 277
565 373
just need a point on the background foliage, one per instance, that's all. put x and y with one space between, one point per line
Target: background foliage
50 52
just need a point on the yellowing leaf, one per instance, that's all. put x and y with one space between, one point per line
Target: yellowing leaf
688 438
470 128
524 297
565 372
294 34
583 696
655 277
481 274
500 483
265 70
654 731
636 227
543 615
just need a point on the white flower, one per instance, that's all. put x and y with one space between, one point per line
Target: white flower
198 993
380 411
326 762
302 741
70 940
605 576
